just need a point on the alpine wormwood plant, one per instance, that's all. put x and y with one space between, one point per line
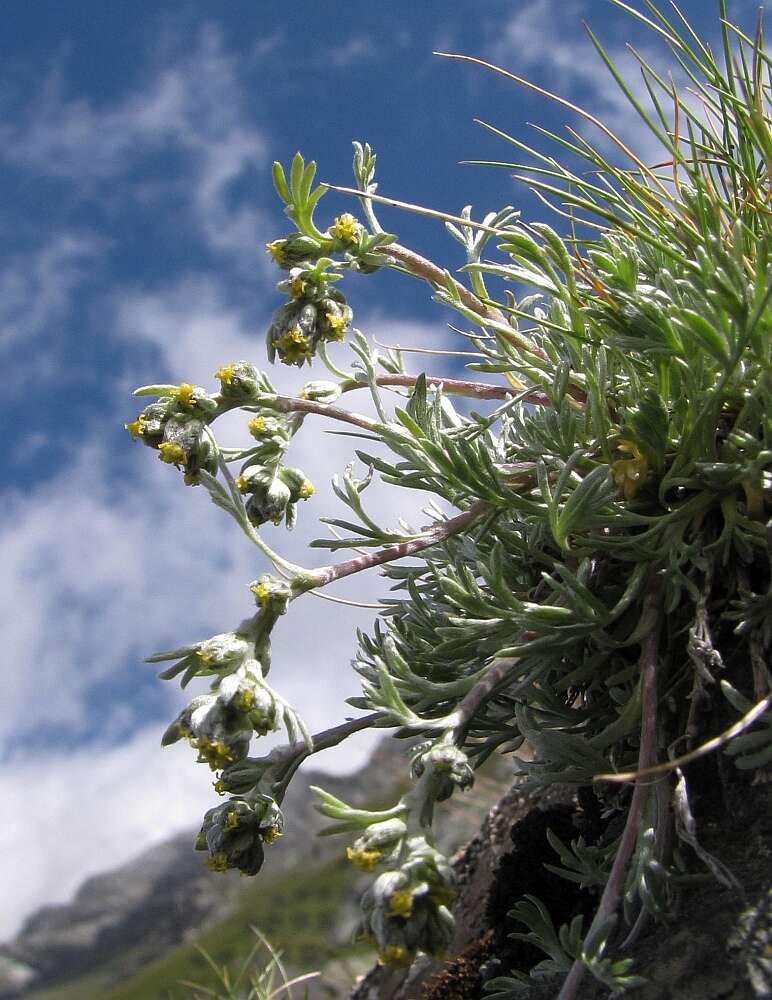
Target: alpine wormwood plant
601 587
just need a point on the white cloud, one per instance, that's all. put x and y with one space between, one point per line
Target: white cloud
191 104
570 67
36 288
69 816
66 817
355 49
112 559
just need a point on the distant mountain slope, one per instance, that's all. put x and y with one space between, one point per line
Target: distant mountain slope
146 914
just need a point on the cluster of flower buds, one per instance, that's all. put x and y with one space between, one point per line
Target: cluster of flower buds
406 908
220 725
316 311
234 833
273 495
344 235
273 489
176 426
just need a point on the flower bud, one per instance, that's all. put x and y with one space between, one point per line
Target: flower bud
271 593
186 444
228 649
267 502
244 693
346 229
149 425
193 398
334 318
293 250
378 840
321 391
239 380
234 833
295 480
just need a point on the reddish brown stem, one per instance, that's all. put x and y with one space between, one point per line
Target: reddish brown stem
438 533
463 387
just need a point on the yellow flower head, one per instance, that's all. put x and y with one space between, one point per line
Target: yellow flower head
219 786
395 955
297 287
215 753
270 833
629 473
231 820
185 394
306 489
401 903
337 325
242 484
218 862
136 427
293 346
257 426
243 701
261 592
172 453
275 250
346 228
365 861
225 374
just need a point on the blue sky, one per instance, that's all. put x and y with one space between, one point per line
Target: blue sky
135 150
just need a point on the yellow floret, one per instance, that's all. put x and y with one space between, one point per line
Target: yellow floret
185 394
337 324
270 833
136 427
306 489
215 753
218 862
225 374
172 453
293 346
276 250
401 903
346 228
365 861
231 820
242 484
261 592
395 955
244 701
629 473
297 287
257 426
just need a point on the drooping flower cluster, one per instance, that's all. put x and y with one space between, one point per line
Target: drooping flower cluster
176 426
220 725
234 833
406 910
315 312
272 488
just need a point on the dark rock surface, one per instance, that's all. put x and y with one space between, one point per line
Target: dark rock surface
718 945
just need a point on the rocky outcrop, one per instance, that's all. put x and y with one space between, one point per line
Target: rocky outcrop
716 946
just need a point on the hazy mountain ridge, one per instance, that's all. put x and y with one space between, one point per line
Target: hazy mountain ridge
134 914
